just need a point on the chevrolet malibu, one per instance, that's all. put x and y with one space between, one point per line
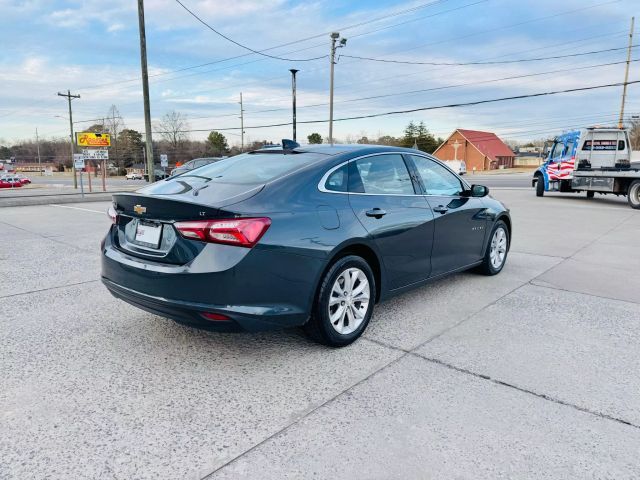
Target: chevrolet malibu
309 236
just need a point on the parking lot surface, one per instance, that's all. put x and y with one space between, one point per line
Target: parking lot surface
529 374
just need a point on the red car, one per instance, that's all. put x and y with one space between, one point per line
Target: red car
24 180
10 182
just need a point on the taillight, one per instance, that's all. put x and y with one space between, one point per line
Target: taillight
243 232
113 215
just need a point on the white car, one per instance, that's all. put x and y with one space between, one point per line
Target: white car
457 166
134 176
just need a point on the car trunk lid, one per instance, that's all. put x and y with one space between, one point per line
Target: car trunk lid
145 219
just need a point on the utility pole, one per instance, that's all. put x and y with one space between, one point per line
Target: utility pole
73 149
343 41
626 76
38 148
145 91
115 136
241 125
293 93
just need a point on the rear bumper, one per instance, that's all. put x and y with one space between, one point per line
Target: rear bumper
262 289
242 318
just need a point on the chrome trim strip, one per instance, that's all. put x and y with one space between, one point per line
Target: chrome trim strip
325 177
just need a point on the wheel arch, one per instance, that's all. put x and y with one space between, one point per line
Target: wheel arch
507 220
361 249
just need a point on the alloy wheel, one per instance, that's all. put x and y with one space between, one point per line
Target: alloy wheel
349 300
498 249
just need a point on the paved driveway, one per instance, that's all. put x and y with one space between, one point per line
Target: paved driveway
533 373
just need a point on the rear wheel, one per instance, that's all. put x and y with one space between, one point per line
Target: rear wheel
633 194
590 194
539 186
344 303
496 254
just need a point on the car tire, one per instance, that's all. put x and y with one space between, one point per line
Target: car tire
633 195
590 194
497 247
338 317
539 186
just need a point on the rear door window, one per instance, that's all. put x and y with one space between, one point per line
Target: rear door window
382 175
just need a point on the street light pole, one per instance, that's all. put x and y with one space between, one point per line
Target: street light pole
145 91
293 93
343 41
73 149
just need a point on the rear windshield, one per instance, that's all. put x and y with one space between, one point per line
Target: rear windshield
256 168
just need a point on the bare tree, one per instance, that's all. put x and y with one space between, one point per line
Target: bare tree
114 124
172 129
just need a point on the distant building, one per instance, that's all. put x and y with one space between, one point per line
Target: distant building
479 150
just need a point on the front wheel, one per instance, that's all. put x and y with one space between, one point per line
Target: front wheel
496 253
633 195
590 194
344 303
540 186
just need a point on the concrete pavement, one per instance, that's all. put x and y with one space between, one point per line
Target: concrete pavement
529 374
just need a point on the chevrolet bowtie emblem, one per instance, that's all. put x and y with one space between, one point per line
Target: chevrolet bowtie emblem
139 209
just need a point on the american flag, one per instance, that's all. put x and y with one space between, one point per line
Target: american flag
561 170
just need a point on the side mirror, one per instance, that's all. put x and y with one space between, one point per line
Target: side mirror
479 191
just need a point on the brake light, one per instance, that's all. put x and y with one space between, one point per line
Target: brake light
113 215
243 232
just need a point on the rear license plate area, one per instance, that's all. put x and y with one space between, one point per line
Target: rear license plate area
148 234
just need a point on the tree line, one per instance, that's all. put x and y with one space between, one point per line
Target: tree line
415 135
171 137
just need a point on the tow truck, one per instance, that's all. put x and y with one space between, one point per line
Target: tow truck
592 160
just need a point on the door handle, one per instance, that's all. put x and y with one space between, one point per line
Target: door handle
441 209
376 213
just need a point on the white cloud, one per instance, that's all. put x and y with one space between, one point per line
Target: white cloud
115 27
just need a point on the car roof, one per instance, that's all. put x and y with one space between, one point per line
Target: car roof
340 148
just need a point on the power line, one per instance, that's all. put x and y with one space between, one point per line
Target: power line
421 109
213 62
442 87
410 92
258 52
244 84
498 62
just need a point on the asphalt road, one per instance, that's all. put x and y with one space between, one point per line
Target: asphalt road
529 374
502 180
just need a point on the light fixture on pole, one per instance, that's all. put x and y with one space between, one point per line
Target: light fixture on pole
293 94
335 44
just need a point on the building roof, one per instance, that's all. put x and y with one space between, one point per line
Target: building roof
487 143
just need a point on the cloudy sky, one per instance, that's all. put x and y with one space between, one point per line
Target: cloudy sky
92 48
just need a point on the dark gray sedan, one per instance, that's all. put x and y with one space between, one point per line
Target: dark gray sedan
311 236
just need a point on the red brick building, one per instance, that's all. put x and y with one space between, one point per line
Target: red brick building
479 150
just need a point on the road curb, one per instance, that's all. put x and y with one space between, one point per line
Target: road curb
25 201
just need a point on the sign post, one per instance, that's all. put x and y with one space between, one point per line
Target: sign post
96 154
78 164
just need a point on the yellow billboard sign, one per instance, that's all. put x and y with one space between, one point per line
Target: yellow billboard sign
90 139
